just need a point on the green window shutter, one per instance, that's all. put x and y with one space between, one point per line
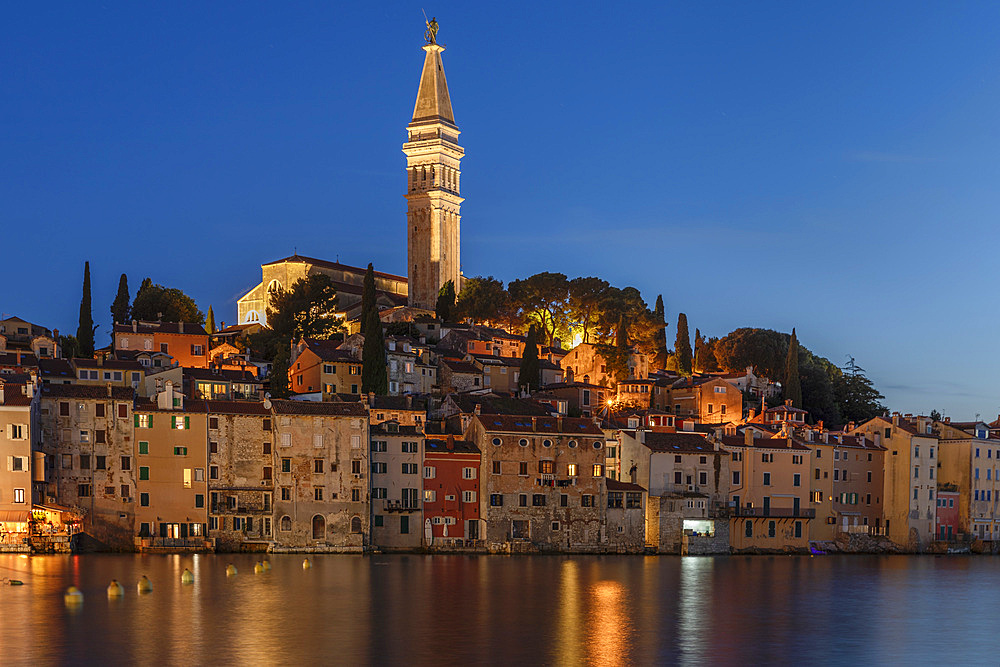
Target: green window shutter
150 422
144 473
187 422
173 421
143 447
136 418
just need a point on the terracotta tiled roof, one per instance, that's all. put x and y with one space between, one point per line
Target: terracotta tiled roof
189 328
314 408
440 446
618 485
461 367
86 391
399 403
112 364
237 408
763 443
527 424
491 404
691 443
55 367
329 350
14 395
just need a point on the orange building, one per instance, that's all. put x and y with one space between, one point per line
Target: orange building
187 343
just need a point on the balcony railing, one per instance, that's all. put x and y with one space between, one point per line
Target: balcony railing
400 506
775 512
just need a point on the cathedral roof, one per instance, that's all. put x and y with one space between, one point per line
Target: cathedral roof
433 101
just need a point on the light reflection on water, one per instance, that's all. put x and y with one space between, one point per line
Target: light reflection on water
502 610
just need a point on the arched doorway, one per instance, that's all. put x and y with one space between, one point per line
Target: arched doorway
319 527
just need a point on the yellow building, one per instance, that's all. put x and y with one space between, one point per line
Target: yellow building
171 456
768 493
18 423
910 476
970 460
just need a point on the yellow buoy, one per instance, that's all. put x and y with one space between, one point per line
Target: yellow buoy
258 568
231 570
145 585
73 596
187 577
115 590
306 564
266 564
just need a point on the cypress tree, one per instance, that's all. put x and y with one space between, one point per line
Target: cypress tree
530 373
682 346
368 297
120 309
210 321
445 305
85 331
660 346
698 363
793 385
374 376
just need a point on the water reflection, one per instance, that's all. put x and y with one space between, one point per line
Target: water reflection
467 610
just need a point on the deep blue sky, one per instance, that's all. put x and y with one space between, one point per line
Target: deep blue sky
828 167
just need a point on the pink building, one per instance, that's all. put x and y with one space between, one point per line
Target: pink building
946 527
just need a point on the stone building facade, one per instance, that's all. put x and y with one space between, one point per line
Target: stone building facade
240 475
543 482
321 476
397 454
90 465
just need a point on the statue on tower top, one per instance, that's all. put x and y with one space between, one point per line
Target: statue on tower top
432 30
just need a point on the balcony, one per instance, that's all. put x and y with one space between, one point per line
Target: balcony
399 506
775 512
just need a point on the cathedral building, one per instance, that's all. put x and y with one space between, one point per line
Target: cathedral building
432 218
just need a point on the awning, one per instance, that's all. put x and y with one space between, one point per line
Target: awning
52 507
15 516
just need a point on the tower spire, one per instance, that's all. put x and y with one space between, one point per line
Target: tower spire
433 159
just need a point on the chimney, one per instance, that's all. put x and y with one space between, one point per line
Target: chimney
819 424
788 402
451 442
850 425
748 438
559 423
789 441
477 409
895 419
1 393
753 413
109 390
826 437
222 325
534 423
371 399
135 326
180 327
947 420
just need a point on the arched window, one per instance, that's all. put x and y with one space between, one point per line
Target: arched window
355 524
319 527
273 285
252 317
286 523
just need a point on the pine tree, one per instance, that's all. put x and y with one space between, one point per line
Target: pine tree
529 378
682 346
660 347
368 297
210 321
374 376
445 302
85 331
793 385
120 309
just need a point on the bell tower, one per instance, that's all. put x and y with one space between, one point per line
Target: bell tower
433 181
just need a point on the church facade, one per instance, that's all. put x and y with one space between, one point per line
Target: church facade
433 216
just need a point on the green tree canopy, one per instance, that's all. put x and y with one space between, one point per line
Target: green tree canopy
86 328
168 304
121 310
660 336
484 300
305 309
682 346
529 378
763 349
374 375
587 299
857 397
445 306
368 297
792 387
543 299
